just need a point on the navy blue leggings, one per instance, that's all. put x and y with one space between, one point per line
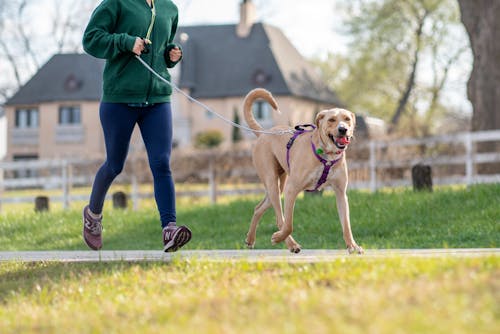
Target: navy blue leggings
155 122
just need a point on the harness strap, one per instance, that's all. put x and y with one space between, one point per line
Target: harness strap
299 130
327 165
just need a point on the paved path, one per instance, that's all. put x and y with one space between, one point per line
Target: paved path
305 256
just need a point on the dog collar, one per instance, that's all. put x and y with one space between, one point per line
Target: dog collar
321 151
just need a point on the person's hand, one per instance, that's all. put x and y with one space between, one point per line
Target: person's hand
175 54
139 46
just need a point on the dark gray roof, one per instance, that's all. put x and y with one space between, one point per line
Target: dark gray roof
217 63
65 77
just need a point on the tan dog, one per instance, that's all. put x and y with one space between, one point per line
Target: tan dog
300 169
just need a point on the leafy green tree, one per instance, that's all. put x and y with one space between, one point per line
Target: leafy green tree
400 57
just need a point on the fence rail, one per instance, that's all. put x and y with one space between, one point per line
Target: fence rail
469 158
381 159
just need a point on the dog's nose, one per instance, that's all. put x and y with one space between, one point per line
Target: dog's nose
342 130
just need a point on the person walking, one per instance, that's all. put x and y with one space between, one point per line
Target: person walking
117 31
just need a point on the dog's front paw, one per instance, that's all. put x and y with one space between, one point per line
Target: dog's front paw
355 249
250 245
295 249
250 242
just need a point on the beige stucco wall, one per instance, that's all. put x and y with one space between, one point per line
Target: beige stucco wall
48 147
293 111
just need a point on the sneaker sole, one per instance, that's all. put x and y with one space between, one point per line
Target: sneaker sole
83 234
181 238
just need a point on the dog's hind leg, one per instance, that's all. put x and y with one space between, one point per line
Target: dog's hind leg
260 209
275 198
286 227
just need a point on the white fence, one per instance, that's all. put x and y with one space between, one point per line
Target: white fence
467 155
372 172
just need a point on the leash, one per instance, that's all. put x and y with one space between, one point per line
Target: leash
190 98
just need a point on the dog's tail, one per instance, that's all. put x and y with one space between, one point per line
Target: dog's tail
257 93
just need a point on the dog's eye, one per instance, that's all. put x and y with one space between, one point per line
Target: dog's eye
347 119
332 120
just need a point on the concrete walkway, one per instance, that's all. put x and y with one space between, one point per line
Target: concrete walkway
263 255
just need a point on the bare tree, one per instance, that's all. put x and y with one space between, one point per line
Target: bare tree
23 48
420 15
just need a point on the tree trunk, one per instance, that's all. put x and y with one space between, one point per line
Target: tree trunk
480 18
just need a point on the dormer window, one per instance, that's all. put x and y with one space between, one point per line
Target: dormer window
72 83
261 78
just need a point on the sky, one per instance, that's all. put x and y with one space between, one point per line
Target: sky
312 26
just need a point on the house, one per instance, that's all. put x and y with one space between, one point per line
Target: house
55 114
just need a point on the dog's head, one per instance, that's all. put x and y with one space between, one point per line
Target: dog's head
335 127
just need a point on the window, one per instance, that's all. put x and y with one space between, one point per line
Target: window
27 118
262 111
69 115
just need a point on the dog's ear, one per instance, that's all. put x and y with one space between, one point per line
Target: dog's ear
353 117
319 117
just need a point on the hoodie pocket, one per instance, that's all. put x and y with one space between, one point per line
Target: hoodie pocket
126 76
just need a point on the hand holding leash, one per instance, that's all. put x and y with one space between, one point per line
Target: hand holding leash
141 46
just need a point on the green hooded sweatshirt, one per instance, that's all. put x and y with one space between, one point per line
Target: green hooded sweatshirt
111 33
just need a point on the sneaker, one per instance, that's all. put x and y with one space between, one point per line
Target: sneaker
174 237
92 230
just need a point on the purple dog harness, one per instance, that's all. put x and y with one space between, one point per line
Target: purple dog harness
327 165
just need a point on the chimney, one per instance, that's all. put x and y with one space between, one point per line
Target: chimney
247 18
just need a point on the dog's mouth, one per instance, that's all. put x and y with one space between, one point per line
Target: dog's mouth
341 142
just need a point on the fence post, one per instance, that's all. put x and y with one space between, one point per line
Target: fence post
135 192
469 159
119 200
421 176
1 188
65 171
42 203
211 180
373 166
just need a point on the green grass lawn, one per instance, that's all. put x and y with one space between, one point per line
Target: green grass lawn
350 295
353 294
448 217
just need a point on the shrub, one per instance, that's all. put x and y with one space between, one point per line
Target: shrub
209 139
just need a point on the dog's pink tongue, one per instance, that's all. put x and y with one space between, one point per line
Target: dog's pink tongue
343 141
